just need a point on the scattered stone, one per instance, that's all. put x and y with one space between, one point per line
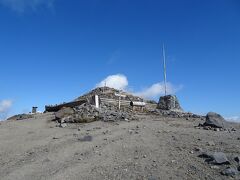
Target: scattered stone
63 125
206 155
206 128
198 149
215 167
144 156
86 139
152 178
237 159
214 120
238 138
130 131
230 171
126 120
211 143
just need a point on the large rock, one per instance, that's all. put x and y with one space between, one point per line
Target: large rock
169 102
220 158
214 120
64 112
217 158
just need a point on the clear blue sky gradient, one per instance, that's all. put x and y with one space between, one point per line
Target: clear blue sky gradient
51 55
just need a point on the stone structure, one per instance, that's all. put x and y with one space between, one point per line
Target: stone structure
169 102
34 110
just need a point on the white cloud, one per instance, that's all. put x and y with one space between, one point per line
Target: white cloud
5 106
117 81
21 6
120 81
233 119
155 90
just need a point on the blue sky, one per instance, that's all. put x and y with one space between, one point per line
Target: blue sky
55 50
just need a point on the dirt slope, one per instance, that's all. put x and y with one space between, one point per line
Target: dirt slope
150 148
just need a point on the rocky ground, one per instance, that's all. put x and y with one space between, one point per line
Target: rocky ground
151 147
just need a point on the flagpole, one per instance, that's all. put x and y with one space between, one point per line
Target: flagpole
165 71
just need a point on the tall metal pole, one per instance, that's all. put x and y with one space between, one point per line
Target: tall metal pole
165 71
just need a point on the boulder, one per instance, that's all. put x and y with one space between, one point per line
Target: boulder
217 158
214 120
64 112
169 102
220 158
230 171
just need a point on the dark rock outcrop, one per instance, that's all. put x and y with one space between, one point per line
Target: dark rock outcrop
214 120
169 102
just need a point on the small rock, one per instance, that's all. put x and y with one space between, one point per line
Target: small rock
191 152
152 178
126 120
238 138
63 125
206 155
215 167
136 157
198 149
216 129
230 171
86 139
130 131
237 159
144 156
206 128
211 143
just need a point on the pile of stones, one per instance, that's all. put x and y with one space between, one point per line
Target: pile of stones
175 114
110 93
87 113
169 106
